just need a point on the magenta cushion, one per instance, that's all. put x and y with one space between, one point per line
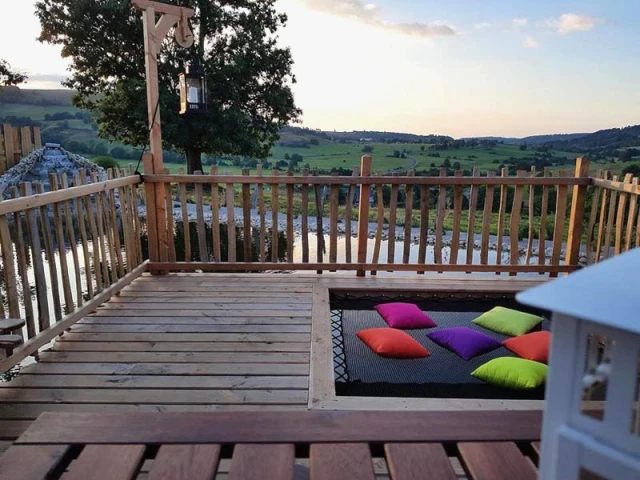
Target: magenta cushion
404 316
466 342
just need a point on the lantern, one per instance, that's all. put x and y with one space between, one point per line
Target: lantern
595 352
193 90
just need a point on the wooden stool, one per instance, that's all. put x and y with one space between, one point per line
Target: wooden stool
9 340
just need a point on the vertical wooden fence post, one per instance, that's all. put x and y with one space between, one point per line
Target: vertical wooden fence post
576 219
152 219
8 145
363 213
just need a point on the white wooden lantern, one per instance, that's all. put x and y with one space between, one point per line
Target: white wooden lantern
595 344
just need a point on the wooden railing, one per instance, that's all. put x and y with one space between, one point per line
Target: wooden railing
428 214
614 223
66 251
16 143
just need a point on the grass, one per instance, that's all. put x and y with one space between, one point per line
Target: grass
334 155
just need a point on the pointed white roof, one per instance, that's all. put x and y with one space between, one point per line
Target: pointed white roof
607 293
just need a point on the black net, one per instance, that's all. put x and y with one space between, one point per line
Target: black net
341 373
360 372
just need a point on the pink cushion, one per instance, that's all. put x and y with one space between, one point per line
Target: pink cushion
404 316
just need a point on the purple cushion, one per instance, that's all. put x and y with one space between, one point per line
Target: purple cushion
404 316
464 341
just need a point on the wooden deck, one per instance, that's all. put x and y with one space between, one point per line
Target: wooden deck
193 342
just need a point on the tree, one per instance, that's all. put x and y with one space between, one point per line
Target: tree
250 97
633 169
367 149
100 149
106 162
9 76
118 152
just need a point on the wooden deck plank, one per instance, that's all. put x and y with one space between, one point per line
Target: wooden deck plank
206 297
31 411
230 312
193 382
341 461
166 369
167 397
416 461
256 462
187 337
10 429
216 306
108 346
107 462
43 460
200 320
191 328
185 462
488 461
293 427
174 357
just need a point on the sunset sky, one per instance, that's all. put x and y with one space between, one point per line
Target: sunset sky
456 67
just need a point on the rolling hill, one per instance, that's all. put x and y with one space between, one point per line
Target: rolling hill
61 122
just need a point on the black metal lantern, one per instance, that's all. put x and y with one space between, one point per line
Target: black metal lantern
193 90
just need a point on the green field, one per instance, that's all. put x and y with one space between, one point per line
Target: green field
333 155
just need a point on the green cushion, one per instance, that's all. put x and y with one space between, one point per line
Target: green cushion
507 321
511 372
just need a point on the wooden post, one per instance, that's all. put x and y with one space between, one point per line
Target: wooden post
25 141
363 213
152 219
8 145
3 157
37 139
576 219
154 35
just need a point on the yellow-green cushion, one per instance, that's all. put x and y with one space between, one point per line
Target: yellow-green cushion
507 321
511 372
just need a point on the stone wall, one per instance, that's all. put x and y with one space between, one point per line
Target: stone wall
37 166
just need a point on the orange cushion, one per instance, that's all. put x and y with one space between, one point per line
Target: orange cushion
532 346
389 342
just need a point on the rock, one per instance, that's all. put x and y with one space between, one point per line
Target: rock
37 166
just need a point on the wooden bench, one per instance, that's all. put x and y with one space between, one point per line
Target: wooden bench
277 445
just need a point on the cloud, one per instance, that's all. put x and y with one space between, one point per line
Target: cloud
48 77
573 22
368 13
484 26
519 22
530 42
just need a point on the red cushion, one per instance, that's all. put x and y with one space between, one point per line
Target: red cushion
532 346
388 342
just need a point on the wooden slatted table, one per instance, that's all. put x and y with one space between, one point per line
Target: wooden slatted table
276 445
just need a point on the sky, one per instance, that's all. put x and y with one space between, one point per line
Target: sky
456 67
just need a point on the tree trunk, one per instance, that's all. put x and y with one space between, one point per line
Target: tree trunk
194 160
